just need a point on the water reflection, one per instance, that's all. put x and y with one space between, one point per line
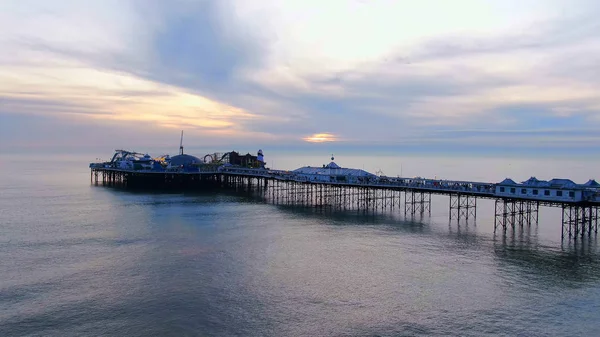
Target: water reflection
573 264
229 263
523 237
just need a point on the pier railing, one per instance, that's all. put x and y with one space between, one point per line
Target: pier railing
443 186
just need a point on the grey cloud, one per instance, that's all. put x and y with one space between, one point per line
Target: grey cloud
544 35
44 106
193 48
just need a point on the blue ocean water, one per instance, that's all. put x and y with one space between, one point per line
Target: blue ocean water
84 260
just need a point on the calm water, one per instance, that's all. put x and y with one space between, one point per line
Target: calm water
81 260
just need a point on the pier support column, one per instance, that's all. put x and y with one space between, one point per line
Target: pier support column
578 220
417 202
462 206
511 212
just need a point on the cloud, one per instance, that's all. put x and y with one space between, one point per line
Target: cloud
380 72
320 138
104 95
92 71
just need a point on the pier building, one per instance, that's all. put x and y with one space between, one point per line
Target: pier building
560 190
333 173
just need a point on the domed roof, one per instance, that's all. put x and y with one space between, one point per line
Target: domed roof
184 159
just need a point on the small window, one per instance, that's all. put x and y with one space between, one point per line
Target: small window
512 190
535 192
546 192
571 194
559 193
523 191
502 189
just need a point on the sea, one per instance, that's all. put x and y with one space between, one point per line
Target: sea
78 259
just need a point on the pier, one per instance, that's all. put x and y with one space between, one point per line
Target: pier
344 189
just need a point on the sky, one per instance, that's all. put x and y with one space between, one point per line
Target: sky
463 76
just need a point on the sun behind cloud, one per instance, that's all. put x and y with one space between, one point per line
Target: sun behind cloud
320 138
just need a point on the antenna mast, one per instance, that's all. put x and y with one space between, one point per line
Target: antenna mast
181 143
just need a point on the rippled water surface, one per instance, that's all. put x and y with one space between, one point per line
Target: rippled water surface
80 260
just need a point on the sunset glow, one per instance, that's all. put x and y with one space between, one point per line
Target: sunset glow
320 138
373 72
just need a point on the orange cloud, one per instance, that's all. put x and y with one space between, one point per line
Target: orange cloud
320 138
92 93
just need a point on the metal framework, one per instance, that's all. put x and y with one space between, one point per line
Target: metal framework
578 220
328 196
417 202
513 212
462 206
